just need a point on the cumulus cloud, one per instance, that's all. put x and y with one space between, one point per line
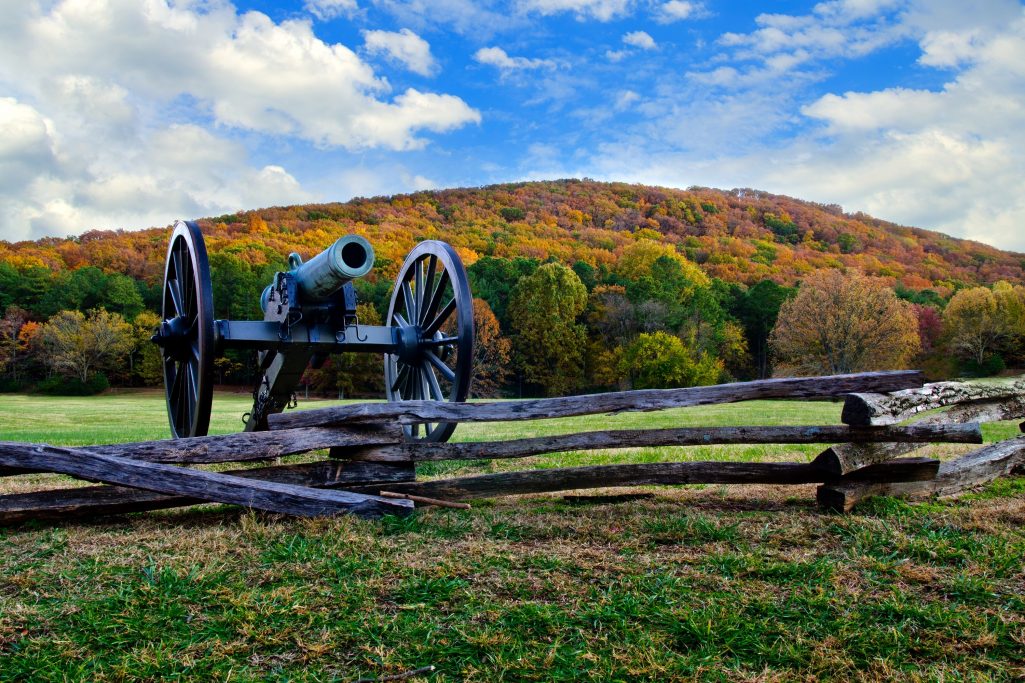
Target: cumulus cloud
602 10
325 10
106 119
499 58
678 10
474 18
640 39
404 47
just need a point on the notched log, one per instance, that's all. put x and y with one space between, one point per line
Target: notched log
954 477
886 409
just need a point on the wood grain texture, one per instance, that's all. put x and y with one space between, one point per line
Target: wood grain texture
666 473
208 486
636 438
91 501
844 458
242 446
412 412
954 477
879 409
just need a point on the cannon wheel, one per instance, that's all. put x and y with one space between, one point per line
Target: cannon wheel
433 309
186 335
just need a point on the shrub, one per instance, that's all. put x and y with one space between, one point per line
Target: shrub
73 386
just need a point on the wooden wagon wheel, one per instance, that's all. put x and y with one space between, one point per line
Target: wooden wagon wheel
186 335
433 310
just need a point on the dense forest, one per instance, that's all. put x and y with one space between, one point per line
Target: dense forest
649 286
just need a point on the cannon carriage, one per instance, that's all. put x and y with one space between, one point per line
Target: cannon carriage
310 313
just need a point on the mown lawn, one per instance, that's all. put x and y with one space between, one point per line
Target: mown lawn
707 583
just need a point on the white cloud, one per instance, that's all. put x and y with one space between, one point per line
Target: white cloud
404 47
947 159
678 10
105 108
625 99
325 10
497 57
640 39
602 10
473 18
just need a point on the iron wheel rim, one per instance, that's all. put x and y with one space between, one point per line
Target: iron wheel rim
432 302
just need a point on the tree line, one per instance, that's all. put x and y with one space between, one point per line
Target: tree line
652 318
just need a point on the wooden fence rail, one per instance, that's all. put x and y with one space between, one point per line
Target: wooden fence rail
369 456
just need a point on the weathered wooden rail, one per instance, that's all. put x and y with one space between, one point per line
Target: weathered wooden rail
369 457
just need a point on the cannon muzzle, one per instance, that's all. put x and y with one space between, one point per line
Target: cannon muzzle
323 275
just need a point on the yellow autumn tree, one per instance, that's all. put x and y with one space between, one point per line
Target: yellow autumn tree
841 323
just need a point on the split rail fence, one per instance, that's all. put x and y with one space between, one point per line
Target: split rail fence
371 471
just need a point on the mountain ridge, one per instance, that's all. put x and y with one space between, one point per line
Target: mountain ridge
740 235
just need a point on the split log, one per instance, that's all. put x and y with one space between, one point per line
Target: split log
208 486
887 409
89 501
954 477
240 447
413 412
845 458
665 473
635 438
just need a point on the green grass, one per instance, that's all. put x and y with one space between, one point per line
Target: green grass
695 583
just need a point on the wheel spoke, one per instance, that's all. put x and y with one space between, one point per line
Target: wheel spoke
445 370
401 321
189 395
407 385
408 298
175 290
428 294
432 380
440 319
400 376
439 293
418 299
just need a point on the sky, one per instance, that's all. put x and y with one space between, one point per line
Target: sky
134 113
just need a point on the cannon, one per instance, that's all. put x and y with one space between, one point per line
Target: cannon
309 313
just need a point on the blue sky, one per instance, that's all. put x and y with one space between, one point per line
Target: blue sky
131 113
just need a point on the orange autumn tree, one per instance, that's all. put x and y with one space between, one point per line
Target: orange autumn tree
840 323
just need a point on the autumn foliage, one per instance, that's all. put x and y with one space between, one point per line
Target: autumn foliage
710 268
841 323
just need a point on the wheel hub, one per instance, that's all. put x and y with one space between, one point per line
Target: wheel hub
410 347
173 336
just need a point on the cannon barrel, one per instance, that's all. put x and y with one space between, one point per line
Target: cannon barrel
327 272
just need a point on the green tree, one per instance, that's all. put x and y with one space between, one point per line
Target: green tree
236 289
121 295
549 344
146 358
78 345
81 289
493 279
757 308
661 361
979 322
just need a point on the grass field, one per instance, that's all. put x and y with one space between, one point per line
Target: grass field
694 583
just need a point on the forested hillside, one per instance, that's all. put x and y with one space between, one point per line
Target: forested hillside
706 268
